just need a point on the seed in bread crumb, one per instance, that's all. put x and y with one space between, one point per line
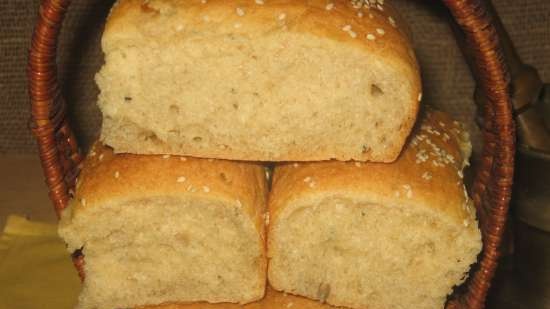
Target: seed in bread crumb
260 2
329 6
371 16
266 218
379 7
295 165
92 154
312 184
282 16
166 156
346 28
360 14
409 190
203 1
371 37
380 31
100 157
419 97
307 179
240 11
289 304
466 223
183 159
181 179
460 174
117 174
358 164
83 202
206 189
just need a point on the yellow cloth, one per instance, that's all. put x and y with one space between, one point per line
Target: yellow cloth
36 271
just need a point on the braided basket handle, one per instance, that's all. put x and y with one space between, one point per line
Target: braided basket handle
60 155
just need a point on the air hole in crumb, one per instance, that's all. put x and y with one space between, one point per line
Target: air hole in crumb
382 139
235 105
127 99
224 178
174 109
366 149
197 139
376 124
375 90
233 91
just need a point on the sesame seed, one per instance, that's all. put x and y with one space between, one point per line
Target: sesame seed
210 160
203 1
206 189
460 174
117 174
312 184
352 34
346 28
466 223
183 159
427 175
260 2
358 164
419 97
360 14
237 25
266 218
381 2
289 304
295 165
166 156
100 157
282 16
381 8
92 154
307 179
446 137
392 21
380 31
83 202
371 16
329 6
371 37
239 11
181 179
239 204
442 124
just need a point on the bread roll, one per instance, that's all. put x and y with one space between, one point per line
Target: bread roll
272 300
155 229
269 80
376 236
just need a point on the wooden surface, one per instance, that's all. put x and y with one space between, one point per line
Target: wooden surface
23 190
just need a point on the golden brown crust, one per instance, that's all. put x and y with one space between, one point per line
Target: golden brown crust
376 29
272 300
427 175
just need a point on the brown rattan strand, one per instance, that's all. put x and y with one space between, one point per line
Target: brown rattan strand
61 157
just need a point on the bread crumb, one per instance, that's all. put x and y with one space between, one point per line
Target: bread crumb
181 179
206 189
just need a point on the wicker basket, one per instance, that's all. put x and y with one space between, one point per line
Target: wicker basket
61 156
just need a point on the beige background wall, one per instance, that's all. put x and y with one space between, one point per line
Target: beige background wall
447 81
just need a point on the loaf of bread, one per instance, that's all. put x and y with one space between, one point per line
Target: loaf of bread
157 229
272 300
260 80
372 235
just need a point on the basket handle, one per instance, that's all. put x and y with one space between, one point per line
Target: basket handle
61 156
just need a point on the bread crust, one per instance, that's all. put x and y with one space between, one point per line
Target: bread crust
374 29
427 174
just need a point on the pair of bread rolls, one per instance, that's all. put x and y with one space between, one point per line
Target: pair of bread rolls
158 229
268 80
